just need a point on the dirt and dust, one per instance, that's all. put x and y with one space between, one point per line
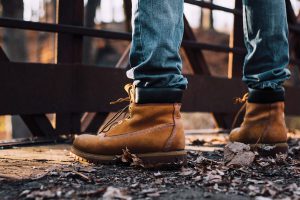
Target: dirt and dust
206 175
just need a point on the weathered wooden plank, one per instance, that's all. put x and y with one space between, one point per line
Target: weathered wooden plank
91 122
39 125
212 6
196 58
69 29
46 88
69 50
33 162
3 56
128 13
235 67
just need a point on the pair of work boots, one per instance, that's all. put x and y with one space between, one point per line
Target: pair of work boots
154 132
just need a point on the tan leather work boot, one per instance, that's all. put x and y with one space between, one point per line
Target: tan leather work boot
154 132
263 128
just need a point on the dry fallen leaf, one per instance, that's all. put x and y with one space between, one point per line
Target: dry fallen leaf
89 193
41 194
212 177
267 178
186 172
158 174
115 193
198 142
128 157
262 198
238 155
148 190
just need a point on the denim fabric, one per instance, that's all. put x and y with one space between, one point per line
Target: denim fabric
157 35
266 40
158 30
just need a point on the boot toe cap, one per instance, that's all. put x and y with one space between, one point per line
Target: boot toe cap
86 143
234 135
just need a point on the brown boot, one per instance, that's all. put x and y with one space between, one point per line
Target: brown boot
154 132
263 128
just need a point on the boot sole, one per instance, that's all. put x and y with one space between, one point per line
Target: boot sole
149 160
270 149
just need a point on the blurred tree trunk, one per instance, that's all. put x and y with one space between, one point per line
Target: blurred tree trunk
201 25
211 18
14 42
50 11
128 14
207 19
89 21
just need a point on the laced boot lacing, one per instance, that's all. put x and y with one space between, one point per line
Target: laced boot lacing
244 100
124 111
237 100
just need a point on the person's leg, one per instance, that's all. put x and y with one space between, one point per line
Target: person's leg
154 57
153 130
265 70
266 39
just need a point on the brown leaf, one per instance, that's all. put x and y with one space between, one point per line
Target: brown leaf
148 190
115 193
238 154
158 174
212 177
133 159
197 178
82 176
91 193
41 194
198 142
262 198
281 159
156 194
186 172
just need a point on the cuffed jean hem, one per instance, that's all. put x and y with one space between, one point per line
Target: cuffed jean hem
266 95
158 95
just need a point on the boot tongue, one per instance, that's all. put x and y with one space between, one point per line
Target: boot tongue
129 88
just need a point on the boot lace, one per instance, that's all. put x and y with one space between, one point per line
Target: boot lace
113 121
239 100
243 100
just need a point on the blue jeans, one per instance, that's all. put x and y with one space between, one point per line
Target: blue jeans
157 34
266 40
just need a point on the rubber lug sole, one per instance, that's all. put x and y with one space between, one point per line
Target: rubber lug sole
150 160
270 149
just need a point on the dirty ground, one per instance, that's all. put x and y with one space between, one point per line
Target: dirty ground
49 172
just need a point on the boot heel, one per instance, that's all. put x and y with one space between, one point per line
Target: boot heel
270 149
164 159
